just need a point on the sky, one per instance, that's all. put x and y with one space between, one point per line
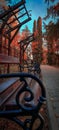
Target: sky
37 7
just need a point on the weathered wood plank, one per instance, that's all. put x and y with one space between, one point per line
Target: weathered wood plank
4 59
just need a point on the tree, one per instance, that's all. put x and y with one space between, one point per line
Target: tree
48 1
52 33
37 44
39 29
34 26
52 10
52 29
25 32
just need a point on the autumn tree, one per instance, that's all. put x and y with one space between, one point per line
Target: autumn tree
52 29
37 44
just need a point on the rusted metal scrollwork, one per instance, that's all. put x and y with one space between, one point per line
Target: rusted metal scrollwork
25 109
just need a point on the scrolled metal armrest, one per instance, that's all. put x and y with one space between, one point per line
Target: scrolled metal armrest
23 76
32 111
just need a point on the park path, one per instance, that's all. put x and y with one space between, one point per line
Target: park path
50 77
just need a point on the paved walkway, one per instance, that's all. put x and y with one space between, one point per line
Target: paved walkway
51 82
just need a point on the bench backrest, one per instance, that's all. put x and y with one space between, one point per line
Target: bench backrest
4 59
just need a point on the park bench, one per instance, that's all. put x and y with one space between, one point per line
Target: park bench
9 61
5 59
23 93
33 68
10 85
30 106
7 89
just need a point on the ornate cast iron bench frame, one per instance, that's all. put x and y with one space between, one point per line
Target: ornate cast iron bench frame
25 110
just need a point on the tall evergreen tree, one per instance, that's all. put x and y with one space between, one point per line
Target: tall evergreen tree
34 26
39 30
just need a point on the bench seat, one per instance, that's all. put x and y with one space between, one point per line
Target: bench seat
7 89
5 59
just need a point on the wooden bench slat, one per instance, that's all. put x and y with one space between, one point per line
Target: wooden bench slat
4 59
6 84
9 91
11 103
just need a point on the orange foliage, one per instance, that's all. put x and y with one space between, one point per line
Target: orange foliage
34 45
15 41
25 56
56 7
